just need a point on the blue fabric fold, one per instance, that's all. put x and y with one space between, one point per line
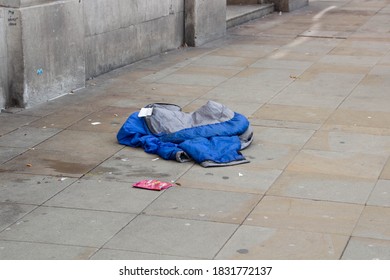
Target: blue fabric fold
218 143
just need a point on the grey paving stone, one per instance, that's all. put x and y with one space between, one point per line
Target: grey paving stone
7 153
53 163
105 196
323 187
282 64
14 250
99 145
30 189
284 136
131 168
263 79
61 119
10 122
27 137
358 165
12 212
374 223
218 60
240 178
359 120
381 194
261 243
109 254
318 90
171 236
307 215
269 155
350 60
367 249
350 142
292 113
386 171
225 93
67 227
205 205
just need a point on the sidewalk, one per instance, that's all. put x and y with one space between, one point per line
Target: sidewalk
314 84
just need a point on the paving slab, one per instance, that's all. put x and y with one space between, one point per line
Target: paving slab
291 113
367 249
30 189
380 196
27 137
358 120
61 120
99 144
104 196
318 90
323 187
15 250
240 178
350 142
10 122
358 165
172 236
131 168
386 171
374 223
204 205
8 153
12 212
109 254
54 163
203 76
262 243
67 227
306 215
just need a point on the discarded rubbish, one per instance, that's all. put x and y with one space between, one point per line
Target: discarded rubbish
96 123
40 72
154 185
240 174
29 165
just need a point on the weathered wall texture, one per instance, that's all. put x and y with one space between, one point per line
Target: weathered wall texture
119 32
45 50
204 21
57 45
3 62
289 5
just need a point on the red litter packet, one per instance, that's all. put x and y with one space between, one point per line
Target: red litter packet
154 185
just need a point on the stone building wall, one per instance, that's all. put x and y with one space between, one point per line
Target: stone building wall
49 47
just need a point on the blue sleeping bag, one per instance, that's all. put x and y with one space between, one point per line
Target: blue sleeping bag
213 135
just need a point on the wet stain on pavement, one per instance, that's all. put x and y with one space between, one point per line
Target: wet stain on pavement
10 212
64 167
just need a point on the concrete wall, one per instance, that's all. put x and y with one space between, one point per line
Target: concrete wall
119 32
57 45
244 2
45 50
3 62
289 5
204 21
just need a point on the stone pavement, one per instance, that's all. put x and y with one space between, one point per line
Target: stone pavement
315 86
